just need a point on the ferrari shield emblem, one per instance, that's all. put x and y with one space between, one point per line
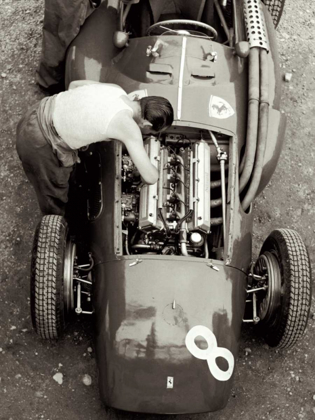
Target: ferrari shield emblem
219 108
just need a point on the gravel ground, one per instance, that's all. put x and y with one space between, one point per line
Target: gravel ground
268 385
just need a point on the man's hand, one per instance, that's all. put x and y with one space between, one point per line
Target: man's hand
124 128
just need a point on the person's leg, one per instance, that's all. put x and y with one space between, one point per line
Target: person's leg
62 22
140 18
191 10
157 8
49 179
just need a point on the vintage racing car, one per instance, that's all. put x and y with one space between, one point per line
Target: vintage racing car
166 269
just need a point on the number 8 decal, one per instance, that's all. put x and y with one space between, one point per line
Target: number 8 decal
211 353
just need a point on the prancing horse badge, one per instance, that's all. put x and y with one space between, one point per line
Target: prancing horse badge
219 108
170 382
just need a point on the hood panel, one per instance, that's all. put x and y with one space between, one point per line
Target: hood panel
186 75
144 313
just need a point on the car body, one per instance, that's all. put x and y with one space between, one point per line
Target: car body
172 269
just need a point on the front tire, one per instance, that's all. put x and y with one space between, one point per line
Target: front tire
284 308
51 294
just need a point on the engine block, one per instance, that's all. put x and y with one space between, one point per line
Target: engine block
183 188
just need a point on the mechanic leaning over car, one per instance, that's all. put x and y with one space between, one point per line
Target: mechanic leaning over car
51 132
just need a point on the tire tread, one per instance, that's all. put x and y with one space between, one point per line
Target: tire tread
295 267
275 8
47 307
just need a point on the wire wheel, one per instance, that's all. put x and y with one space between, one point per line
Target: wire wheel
284 307
51 277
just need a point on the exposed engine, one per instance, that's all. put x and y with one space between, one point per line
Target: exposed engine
172 217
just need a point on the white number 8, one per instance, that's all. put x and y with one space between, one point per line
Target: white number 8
211 353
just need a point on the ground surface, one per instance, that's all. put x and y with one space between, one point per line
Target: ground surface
268 385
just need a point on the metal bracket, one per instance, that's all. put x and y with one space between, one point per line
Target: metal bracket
255 318
81 279
214 267
257 277
138 261
257 289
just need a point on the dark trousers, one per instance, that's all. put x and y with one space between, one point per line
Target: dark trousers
43 169
62 22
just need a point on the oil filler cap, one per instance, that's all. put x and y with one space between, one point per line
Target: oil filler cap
174 314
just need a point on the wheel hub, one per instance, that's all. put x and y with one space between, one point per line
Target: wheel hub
70 254
267 265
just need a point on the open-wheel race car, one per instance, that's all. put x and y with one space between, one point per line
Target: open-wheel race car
166 269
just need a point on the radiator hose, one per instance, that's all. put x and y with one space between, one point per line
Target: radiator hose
262 130
252 119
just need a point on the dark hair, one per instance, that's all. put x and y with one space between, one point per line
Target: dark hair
158 111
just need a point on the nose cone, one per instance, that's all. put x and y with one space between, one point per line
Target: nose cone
167 333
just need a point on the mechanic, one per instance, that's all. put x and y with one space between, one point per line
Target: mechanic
63 20
52 131
62 23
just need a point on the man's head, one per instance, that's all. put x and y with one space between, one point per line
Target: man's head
156 114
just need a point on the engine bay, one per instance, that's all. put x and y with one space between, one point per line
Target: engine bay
183 213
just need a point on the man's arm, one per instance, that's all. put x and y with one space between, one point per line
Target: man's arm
123 128
140 158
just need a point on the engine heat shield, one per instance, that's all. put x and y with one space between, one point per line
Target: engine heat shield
148 193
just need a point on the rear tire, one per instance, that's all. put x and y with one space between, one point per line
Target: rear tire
284 308
48 305
275 8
